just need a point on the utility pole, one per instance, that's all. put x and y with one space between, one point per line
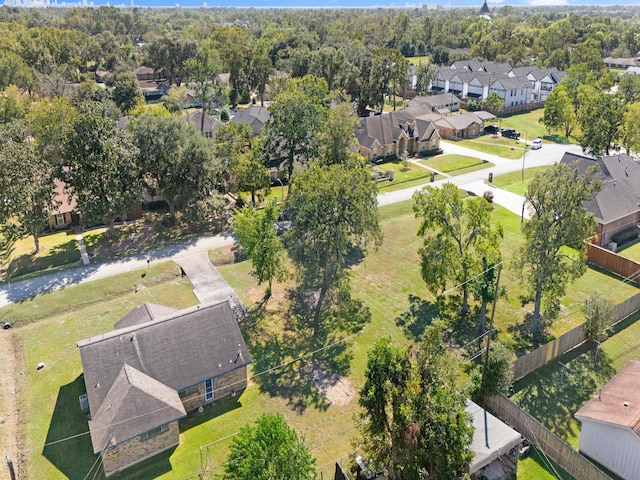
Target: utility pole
525 154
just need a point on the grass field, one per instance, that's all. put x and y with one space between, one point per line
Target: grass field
57 250
450 163
387 280
512 182
410 177
632 252
494 145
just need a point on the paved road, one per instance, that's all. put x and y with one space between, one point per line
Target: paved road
547 155
17 291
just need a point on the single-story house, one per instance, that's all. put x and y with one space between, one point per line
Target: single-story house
443 102
391 134
143 73
467 125
610 432
158 364
65 210
617 206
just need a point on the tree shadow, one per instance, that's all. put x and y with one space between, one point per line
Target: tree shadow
553 393
72 455
290 359
525 339
210 411
418 316
63 254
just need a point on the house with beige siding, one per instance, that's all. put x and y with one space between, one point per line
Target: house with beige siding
610 432
158 364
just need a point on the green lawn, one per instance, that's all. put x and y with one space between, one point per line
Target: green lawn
57 250
387 280
449 163
410 177
632 252
512 182
494 145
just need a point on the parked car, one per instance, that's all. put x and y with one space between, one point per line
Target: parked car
491 129
536 144
511 133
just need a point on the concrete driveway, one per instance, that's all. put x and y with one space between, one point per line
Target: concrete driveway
209 285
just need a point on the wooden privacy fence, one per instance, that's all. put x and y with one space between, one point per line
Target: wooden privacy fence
613 262
558 347
543 438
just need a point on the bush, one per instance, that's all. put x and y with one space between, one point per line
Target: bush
625 235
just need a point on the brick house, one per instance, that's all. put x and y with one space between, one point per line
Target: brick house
617 206
154 367
391 134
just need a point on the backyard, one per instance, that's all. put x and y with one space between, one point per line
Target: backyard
400 306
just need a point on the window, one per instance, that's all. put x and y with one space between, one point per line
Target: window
153 432
59 219
188 391
208 389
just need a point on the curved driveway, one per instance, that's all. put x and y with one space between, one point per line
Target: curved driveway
547 155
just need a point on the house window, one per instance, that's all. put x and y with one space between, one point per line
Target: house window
153 432
208 389
59 219
188 391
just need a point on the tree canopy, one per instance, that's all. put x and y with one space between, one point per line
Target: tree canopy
269 450
413 410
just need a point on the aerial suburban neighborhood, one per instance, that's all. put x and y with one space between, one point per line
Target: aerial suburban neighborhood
348 243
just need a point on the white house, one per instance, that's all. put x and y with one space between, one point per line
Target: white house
610 431
514 91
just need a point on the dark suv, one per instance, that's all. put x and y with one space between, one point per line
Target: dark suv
493 129
511 133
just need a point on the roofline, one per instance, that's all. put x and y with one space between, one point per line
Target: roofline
131 438
135 328
582 418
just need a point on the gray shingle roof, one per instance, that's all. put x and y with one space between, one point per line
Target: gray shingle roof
178 350
255 116
388 127
135 403
620 176
143 314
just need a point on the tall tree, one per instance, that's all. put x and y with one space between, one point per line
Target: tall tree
426 74
269 450
296 116
559 111
496 102
201 69
457 235
631 128
600 117
99 166
558 223
337 138
492 376
249 170
173 160
414 411
126 91
168 53
333 209
258 237
26 184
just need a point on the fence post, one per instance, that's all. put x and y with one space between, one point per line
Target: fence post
12 473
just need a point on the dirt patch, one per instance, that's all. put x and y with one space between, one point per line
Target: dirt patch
334 388
8 404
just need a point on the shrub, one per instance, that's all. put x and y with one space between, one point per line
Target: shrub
625 235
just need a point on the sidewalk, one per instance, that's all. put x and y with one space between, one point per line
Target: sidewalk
17 291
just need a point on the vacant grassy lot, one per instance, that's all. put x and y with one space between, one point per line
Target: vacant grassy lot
387 280
57 250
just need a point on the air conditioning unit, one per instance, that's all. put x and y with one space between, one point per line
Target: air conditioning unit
84 403
613 246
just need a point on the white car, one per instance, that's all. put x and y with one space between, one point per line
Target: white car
536 144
